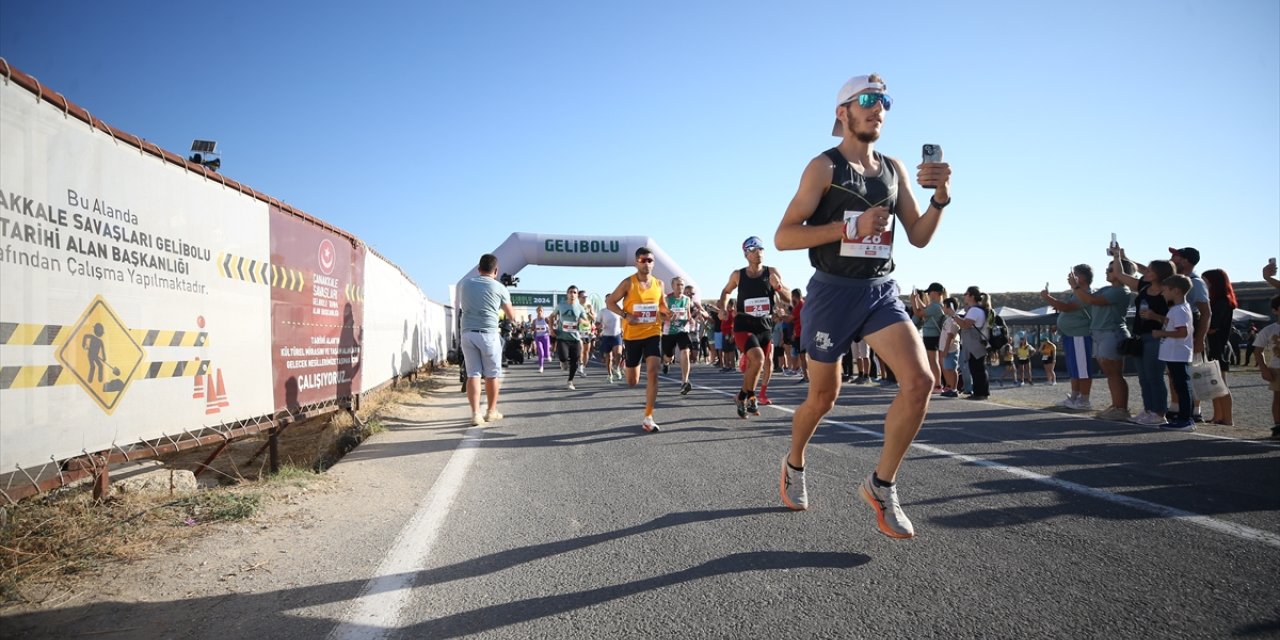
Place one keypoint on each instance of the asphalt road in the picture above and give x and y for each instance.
(572, 522)
(565, 520)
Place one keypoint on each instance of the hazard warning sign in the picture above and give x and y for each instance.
(102, 354)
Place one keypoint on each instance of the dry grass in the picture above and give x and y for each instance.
(45, 542)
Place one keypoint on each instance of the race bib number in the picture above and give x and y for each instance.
(540, 329)
(644, 313)
(879, 246)
(758, 307)
(569, 326)
(679, 315)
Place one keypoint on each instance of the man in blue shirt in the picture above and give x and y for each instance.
(481, 299)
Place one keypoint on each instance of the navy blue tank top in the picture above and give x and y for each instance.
(755, 302)
(851, 191)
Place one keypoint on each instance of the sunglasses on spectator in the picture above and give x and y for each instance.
(868, 100)
(649, 260)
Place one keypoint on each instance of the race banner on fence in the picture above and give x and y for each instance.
(317, 312)
(116, 321)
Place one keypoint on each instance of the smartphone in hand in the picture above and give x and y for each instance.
(931, 153)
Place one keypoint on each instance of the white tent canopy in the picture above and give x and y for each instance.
(1242, 315)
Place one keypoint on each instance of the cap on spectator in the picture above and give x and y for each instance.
(752, 243)
(853, 87)
(1189, 253)
(935, 287)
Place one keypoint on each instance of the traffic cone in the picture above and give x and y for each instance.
(198, 392)
(222, 391)
(211, 405)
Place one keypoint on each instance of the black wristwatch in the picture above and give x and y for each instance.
(939, 205)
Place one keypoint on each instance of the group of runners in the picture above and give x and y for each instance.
(851, 203)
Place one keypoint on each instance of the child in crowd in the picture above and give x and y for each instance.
(1175, 346)
(1049, 358)
(1268, 345)
(1006, 361)
(1022, 359)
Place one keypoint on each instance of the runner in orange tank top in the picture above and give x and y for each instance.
(640, 301)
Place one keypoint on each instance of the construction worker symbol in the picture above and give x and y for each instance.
(102, 355)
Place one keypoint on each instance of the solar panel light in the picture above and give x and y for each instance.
(200, 152)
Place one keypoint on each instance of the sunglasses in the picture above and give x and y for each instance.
(649, 260)
(755, 249)
(868, 100)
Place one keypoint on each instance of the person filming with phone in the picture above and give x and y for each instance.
(847, 212)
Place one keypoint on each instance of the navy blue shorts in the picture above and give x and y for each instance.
(840, 311)
(607, 343)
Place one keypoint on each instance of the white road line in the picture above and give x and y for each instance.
(376, 611)
(1221, 526)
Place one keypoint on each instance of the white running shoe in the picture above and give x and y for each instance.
(650, 425)
(795, 496)
(477, 419)
(571, 387)
(889, 516)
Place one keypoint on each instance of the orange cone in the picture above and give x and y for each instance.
(211, 405)
(222, 391)
(198, 392)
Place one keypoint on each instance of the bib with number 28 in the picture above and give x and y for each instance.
(878, 246)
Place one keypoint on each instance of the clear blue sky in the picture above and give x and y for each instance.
(434, 130)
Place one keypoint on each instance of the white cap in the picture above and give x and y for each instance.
(853, 87)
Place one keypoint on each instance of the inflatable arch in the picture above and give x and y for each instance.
(523, 249)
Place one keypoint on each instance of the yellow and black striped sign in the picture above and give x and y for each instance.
(177, 369)
(160, 338)
(35, 376)
(27, 377)
(27, 335)
(355, 293)
(260, 272)
(12, 333)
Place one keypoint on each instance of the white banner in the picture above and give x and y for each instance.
(394, 322)
(134, 303)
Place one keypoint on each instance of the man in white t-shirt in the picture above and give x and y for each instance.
(611, 343)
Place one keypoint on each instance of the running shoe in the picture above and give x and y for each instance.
(753, 407)
(492, 416)
(950, 393)
(742, 407)
(539, 368)
(649, 425)
(889, 516)
(1113, 413)
(1185, 424)
(685, 389)
(802, 380)
(665, 368)
(571, 387)
(1149, 419)
(1068, 403)
(477, 419)
(582, 371)
(794, 494)
(764, 399)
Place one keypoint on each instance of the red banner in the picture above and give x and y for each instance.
(317, 312)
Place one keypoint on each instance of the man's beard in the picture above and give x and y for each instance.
(867, 137)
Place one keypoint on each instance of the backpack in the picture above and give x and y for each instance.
(997, 333)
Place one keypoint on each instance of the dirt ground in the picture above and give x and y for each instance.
(179, 555)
